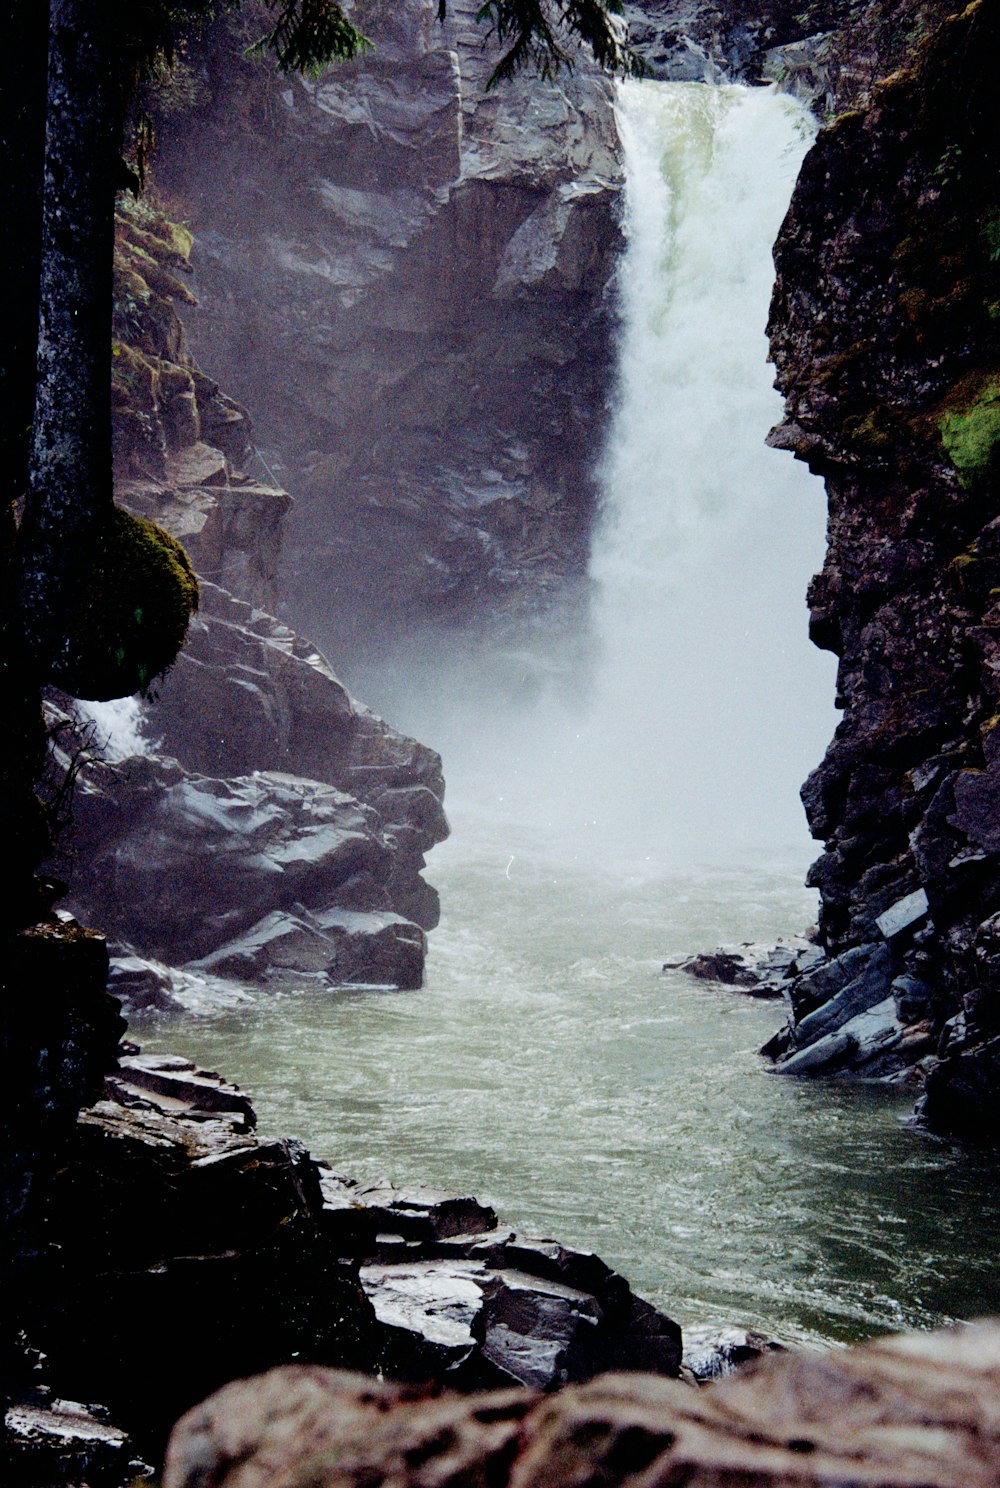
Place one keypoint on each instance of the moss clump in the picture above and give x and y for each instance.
(970, 432)
(870, 432)
(134, 612)
(140, 222)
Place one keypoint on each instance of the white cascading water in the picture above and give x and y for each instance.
(118, 727)
(708, 696)
(707, 706)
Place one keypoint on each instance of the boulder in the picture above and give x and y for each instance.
(712, 1353)
(340, 947)
(288, 876)
(478, 1322)
(918, 1409)
(755, 969)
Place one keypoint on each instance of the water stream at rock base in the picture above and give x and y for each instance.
(550, 1065)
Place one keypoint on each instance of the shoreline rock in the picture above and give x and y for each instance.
(258, 823)
(915, 1409)
(754, 968)
(168, 1211)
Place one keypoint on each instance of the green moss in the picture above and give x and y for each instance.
(134, 613)
(991, 232)
(141, 224)
(136, 375)
(872, 431)
(970, 432)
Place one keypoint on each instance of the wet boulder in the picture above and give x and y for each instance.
(256, 876)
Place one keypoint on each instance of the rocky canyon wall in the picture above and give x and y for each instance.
(265, 825)
(884, 334)
(406, 277)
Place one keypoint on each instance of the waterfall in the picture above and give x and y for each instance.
(706, 706)
(710, 706)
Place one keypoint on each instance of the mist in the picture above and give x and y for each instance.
(679, 718)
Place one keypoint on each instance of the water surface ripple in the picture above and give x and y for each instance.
(550, 1066)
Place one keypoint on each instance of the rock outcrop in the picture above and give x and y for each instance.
(59, 1033)
(918, 1409)
(829, 53)
(273, 827)
(407, 278)
(172, 1226)
(884, 334)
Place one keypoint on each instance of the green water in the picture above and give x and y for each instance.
(551, 1067)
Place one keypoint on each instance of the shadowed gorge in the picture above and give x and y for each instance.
(492, 422)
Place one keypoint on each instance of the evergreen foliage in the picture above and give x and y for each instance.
(535, 34)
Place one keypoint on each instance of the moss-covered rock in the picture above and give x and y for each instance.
(134, 614)
(970, 432)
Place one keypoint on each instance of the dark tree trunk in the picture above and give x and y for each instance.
(22, 153)
(61, 106)
(22, 148)
(70, 474)
(58, 1028)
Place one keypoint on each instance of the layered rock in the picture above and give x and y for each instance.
(175, 1230)
(171, 1225)
(55, 1441)
(406, 276)
(922, 1408)
(59, 1033)
(274, 827)
(884, 333)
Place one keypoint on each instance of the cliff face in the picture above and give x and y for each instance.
(271, 826)
(406, 278)
(884, 331)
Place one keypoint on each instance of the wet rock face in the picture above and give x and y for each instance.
(62, 1441)
(177, 1225)
(59, 1033)
(918, 1409)
(275, 828)
(829, 53)
(461, 1297)
(408, 281)
(886, 347)
(256, 877)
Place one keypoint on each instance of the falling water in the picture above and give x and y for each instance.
(707, 537)
(707, 706)
(549, 1064)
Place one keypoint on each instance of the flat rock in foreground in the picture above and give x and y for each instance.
(920, 1410)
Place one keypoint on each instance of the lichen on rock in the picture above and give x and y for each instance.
(970, 432)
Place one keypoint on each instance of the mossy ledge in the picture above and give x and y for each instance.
(134, 613)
